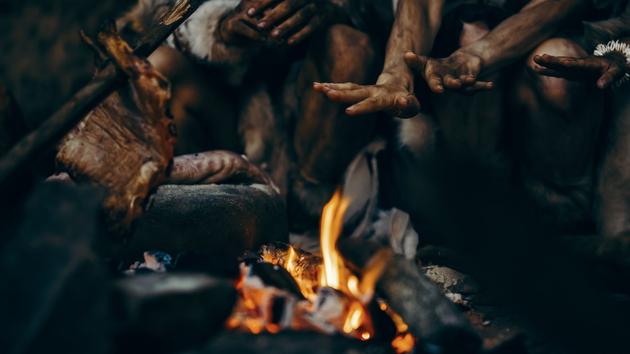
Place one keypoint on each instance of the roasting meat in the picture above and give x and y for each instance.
(126, 143)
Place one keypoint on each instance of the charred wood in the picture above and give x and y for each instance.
(431, 316)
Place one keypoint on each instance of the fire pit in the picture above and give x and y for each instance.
(322, 294)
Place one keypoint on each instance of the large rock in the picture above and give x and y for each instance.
(54, 290)
(216, 221)
(160, 313)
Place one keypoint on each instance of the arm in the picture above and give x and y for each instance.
(521, 33)
(415, 27)
(217, 33)
(509, 41)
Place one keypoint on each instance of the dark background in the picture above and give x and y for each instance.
(42, 59)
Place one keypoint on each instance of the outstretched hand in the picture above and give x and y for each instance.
(393, 99)
(604, 70)
(458, 72)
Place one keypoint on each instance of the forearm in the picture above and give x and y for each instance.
(522, 32)
(415, 28)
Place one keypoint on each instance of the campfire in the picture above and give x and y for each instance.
(329, 296)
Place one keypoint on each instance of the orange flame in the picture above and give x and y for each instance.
(331, 226)
(356, 291)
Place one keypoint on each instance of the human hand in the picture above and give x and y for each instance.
(238, 27)
(390, 97)
(458, 72)
(604, 70)
(291, 21)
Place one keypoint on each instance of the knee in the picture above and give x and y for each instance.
(349, 52)
(559, 93)
(169, 62)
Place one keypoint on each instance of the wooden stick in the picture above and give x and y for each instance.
(431, 316)
(101, 86)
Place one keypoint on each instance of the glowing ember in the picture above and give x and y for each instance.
(335, 298)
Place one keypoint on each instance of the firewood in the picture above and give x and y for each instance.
(100, 87)
(431, 317)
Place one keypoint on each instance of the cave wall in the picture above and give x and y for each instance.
(42, 60)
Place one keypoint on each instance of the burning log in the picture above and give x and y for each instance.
(430, 315)
(216, 222)
(54, 290)
(341, 287)
(163, 313)
(104, 83)
(126, 143)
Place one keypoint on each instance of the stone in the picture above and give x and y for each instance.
(168, 312)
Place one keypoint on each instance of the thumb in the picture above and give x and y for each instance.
(416, 62)
(407, 106)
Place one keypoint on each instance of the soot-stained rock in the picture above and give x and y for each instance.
(54, 289)
(161, 313)
(215, 222)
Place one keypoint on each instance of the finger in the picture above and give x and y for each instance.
(337, 86)
(452, 83)
(479, 86)
(557, 63)
(242, 29)
(435, 83)
(610, 76)
(348, 96)
(367, 106)
(416, 62)
(304, 33)
(294, 23)
(468, 80)
(274, 16)
(408, 106)
(258, 7)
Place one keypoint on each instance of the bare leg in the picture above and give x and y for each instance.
(470, 124)
(326, 140)
(613, 189)
(202, 108)
(554, 131)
